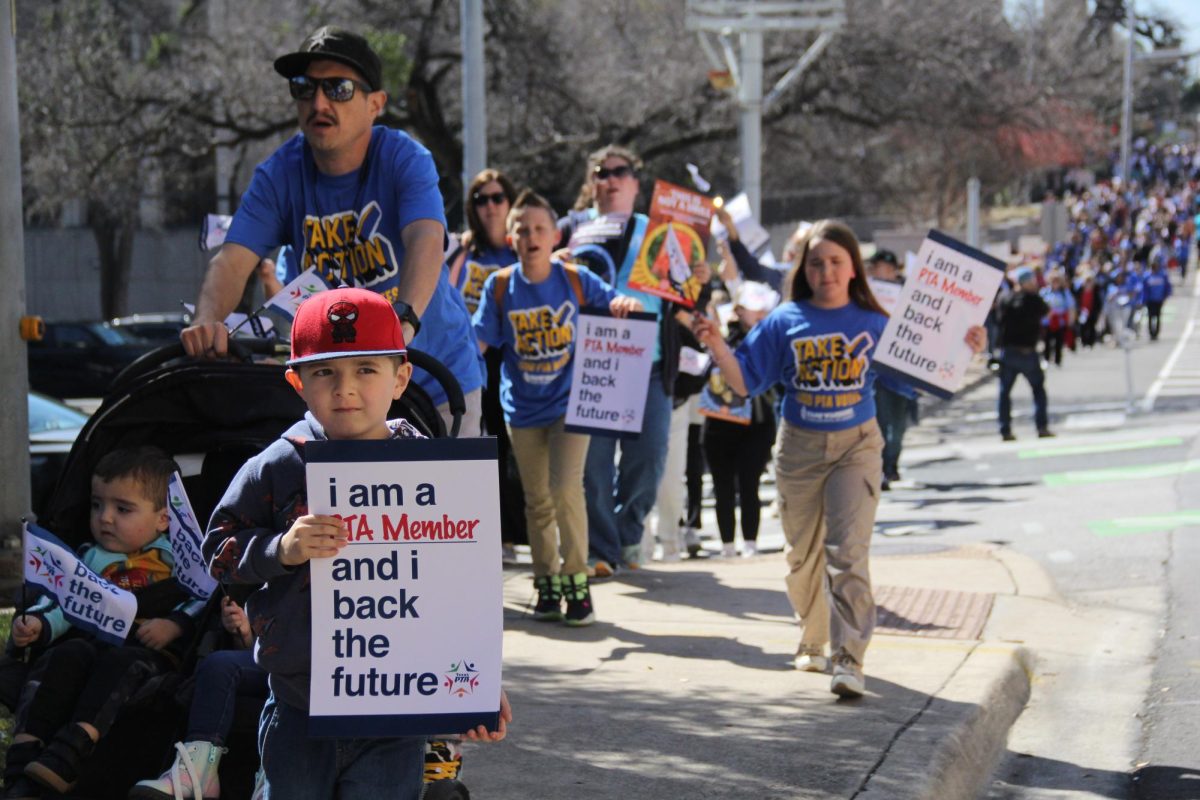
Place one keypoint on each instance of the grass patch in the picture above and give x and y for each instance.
(6, 718)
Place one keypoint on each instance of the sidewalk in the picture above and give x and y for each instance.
(684, 687)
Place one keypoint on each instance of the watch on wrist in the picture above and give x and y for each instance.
(406, 314)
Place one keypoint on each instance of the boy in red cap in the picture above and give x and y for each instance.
(348, 363)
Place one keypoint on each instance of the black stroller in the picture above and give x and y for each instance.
(211, 416)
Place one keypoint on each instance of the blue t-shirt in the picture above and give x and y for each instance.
(822, 357)
(475, 270)
(1156, 287)
(534, 325)
(351, 229)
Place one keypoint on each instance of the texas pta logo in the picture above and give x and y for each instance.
(462, 679)
(46, 566)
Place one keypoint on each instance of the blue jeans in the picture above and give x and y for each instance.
(301, 768)
(221, 678)
(1029, 364)
(620, 495)
(892, 411)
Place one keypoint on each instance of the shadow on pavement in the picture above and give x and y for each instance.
(610, 735)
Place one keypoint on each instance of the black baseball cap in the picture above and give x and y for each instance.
(886, 256)
(334, 44)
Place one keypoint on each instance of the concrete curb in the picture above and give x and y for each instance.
(994, 683)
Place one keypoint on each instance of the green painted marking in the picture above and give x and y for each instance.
(1110, 447)
(1154, 523)
(1086, 476)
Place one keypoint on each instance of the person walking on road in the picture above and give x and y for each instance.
(1156, 288)
(1020, 318)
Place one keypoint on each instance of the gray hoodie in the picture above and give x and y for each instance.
(242, 546)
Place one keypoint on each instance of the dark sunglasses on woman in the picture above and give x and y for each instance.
(496, 198)
(338, 90)
(603, 173)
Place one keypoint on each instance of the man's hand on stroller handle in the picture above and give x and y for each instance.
(205, 340)
(312, 536)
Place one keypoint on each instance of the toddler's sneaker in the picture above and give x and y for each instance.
(579, 600)
(810, 658)
(260, 785)
(16, 785)
(443, 760)
(549, 598)
(59, 765)
(196, 764)
(848, 678)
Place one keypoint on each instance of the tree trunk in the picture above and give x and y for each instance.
(114, 243)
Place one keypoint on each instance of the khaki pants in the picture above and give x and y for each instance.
(550, 462)
(828, 486)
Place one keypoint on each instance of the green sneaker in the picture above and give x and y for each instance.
(549, 599)
(579, 600)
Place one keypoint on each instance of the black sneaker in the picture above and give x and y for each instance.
(59, 765)
(1045, 433)
(16, 785)
(579, 600)
(1008, 436)
(549, 600)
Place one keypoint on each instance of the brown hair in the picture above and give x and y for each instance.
(831, 230)
(595, 159)
(148, 466)
(529, 199)
(479, 236)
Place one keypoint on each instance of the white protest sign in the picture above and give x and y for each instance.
(753, 235)
(186, 535)
(950, 291)
(87, 600)
(610, 373)
(886, 292)
(214, 229)
(408, 618)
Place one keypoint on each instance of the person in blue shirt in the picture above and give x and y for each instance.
(828, 458)
(1156, 288)
(356, 200)
(530, 313)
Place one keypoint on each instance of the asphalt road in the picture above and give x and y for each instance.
(1111, 509)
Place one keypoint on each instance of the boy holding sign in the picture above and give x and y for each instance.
(348, 363)
(87, 677)
(529, 312)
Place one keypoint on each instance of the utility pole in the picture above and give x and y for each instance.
(749, 20)
(14, 374)
(1127, 94)
(473, 96)
(973, 212)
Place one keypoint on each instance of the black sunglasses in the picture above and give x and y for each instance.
(338, 90)
(496, 198)
(603, 173)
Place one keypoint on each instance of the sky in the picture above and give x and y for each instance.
(1188, 14)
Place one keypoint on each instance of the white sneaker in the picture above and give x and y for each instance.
(729, 550)
(811, 659)
(749, 549)
(848, 678)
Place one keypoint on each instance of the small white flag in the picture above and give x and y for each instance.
(213, 230)
(185, 535)
(87, 600)
(697, 178)
(287, 301)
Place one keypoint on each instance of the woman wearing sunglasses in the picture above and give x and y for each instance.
(606, 238)
(484, 250)
(485, 243)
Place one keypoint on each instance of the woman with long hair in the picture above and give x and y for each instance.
(828, 462)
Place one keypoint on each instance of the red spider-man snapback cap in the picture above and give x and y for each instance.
(341, 323)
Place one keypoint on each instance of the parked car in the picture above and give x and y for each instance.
(52, 430)
(160, 328)
(80, 359)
